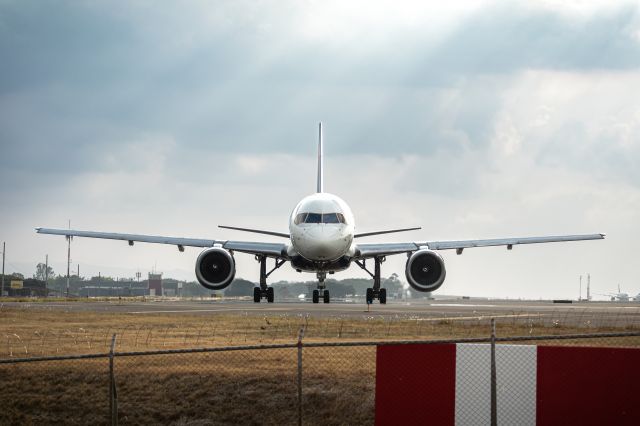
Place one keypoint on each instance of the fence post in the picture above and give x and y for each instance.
(300, 336)
(113, 394)
(494, 395)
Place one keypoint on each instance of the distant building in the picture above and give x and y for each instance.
(155, 284)
(171, 287)
(15, 287)
(120, 288)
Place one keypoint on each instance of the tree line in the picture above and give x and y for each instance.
(239, 287)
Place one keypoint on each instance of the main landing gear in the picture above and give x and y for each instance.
(264, 291)
(376, 292)
(321, 291)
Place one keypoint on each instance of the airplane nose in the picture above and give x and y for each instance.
(324, 250)
(327, 243)
(322, 234)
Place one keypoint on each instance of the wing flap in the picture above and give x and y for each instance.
(387, 249)
(188, 242)
(383, 249)
(266, 249)
(447, 245)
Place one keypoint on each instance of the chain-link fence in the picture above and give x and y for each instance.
(488, 378)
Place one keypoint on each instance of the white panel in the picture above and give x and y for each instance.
(516, 384)
(516, 373)
(473, 391)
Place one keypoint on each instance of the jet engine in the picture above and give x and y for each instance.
(215, 268)
(425, 270)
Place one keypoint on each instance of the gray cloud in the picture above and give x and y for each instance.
(512, 38)
(81, 81)
(87, 74)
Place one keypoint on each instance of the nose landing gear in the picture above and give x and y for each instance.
(321, 289)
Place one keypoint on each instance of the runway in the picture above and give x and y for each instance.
(601, 314)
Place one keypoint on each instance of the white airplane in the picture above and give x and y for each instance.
(321, 240)
(619, 296)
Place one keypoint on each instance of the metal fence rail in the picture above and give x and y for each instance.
(310, 383)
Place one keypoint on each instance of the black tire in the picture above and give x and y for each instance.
(369, 296)
(270, 294)
(316, 296)
(256, 294)
(326, 296)
(383, 296)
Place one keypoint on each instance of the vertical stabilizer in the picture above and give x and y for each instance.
(320, 161)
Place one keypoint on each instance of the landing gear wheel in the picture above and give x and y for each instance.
(369, 296)
(256, 294)
(326, 296)
(316, 296)
(383, 296)
(270, 295)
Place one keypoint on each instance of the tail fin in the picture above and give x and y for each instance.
(320, 161)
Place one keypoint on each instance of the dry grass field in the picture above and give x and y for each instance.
(240, 387)
(232, 387)
(36, 331)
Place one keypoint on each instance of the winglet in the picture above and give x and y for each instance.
(320, 161)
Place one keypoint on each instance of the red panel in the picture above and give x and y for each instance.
(415, 385)
(588, 386)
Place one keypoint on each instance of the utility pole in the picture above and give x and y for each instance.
(588, 287)
(46, 273)
(580, 297)
(3, 251)
(69, 238)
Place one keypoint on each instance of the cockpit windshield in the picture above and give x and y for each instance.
(320, 218)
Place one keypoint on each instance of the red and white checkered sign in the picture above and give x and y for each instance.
(536, 385)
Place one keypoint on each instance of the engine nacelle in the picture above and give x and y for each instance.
(425, 270)
(215, 268)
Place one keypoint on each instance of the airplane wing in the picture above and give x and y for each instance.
(267, 249)
(364, 251)
(387, 249)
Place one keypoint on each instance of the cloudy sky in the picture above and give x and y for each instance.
(472, 119)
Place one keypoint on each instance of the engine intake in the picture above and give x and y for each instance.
(425, 270)
(215, 268)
